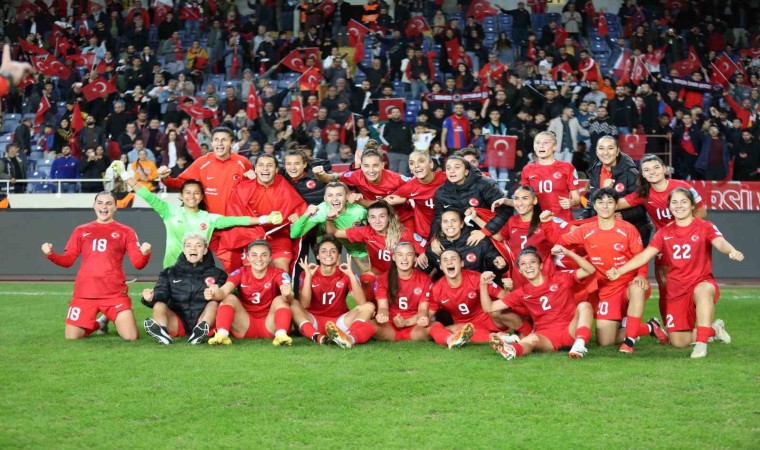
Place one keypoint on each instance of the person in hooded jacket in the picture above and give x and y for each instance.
(181, 298)
(466, 187)
(616, 170)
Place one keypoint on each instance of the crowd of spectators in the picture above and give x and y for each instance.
(174, 72)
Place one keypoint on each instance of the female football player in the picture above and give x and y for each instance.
(692, 291)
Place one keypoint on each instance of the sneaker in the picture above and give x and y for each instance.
(102, 327)
(658, 331)
(282, 339)
(507, 351)
(700, 350)
(578, 350)
(319, 339)
(502, 338)
(219, 339)
(462, 336)
(337, 335)
(199, 334)
(157, 332)
(720, 331)
(625, 348)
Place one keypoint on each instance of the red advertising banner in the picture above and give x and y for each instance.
(729, 195)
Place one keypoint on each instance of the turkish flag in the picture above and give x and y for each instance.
(348, 126)
(686, 67)
(311, 79)
(96, 6)
(501, 151)
(86, 60)
(481, 9)
(654, 57)
(638, 73)
(312, 52)
(559, 37)
(385, 105)
(634, 145)
(99, 88)
(356, 32)
(589, 67)
(310, 112)
(623, 67)
(602, 27)
(296, 113)
(563, 68)
(193, 146)
(532, 53)
(723, 69)
(253, 105)
(294, 61)
(453, 50)
(327, 7)
(197, 112)
(753, 53)
(77, 123)
(50, 66)
(417, 25)
(43, 107)
(31, 48)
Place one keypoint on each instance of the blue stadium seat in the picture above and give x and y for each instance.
(13, 116)
(9, 125)
(598, 46)
(410, 117)
(2, 148)
(42, 188)
(6, 138)
(553, 16)
(414, 103)
(36, 155)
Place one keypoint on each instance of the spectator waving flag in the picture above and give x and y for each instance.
(296, 113)
(356, 34)
(348, 126)
(95, 6)
(561, 71)
(480, 9)
(501, 151)
(77, 123)
(43, 107)
(686, 67)
(160, 9)
(602, 28)
(589, 68)
(639, 72)
(253, 105)
(31, 48)
(193, 146)
(99, 88)
(327, 7)
(294, 61)
(311, 79)
(723, 69)
(623, 66)
(417, 25)
(385, 105)
(49, 65)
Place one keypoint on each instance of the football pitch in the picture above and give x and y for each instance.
(102, 392)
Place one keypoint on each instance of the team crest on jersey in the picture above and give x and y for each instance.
(348, 174)
(204, 227)
(471, 295)
(618, 246)
(694, 238)
(474, 202)
(236, 272)
(267, 285)
(417, 291)
(311, 184)
(209, 281)
(557, 175)
(553, 288)
(114, 235)
(339, 284)
(471, 257)
(619, 187)
(236, 177)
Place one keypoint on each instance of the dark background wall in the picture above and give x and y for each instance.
(22, 232)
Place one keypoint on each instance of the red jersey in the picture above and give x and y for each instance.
(420, 197)
(411, 292)
(657, 203)
(379, 255)
(463, 301)
(551, 182)
(102, 246)
(328, 293)
(551, 304)
(605, 249)
(257, 294)
(689, 253)
(389, 182)
(218, 178)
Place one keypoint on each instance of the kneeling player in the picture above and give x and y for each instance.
(611, 242)
(321, 310)
(181, 297)
(402, 296)
(458, 293)
(100, 284)
(261, 308)
(692, 291)
(557, 321)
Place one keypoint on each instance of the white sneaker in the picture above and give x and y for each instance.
(720, 331)
(102, 327)
(507, 351)
(578, 350)
(504, 338)
(462, 336)
(700, 350)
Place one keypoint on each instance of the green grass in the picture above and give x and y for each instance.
(102, 392)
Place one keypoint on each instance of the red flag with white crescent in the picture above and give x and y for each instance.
(638, 72)
(294, 61)
(49, 65)
(193, 147)
(313, 52)
(97, 89)
(43, 107)
(327, 7)
(197, 112)
(253, 105)
(623, 66)
(602, 28)
(723, 69)
(311, 79)
(385, 105)
(560, 71)
(356, 32)
(296, 113)
(77, 123)
(501, 151)
(634, 145)
(310, 112)
(687, 66)
(417, 25)
(481, 9)
(31, 48)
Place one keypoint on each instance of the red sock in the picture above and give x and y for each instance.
(632, 327)
(525, 329)
(518, 349)
(583, 333)
(644, 329)
(224, 317)
(439, 333)
(481, 335)
(307, 329)
(361, 331)
(704, 333)
(368, 285)
(282, 318)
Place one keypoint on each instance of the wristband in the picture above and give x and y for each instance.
(263, 220)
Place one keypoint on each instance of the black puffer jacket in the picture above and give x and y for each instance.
(625, 175)
(478, 258)
(181, 287)
(311, 189)
(476, 191)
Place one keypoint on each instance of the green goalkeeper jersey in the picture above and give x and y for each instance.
(354, 216)
(179, 221)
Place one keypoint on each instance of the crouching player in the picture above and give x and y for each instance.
(100, 283)
(403, 295)
(181, 297)
(557, 321)
(458, 293)
(692, 291)
(261, 308)
(321, 312)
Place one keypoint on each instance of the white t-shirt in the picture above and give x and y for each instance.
(422, 141)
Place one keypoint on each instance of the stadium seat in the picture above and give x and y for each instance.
(410, 117)
(414, 103)
(12, 116)
(9, 125)
(36, 155)
(2, 148)
(6, 138)
(553, 16)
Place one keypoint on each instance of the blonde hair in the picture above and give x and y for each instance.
(549, 134)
